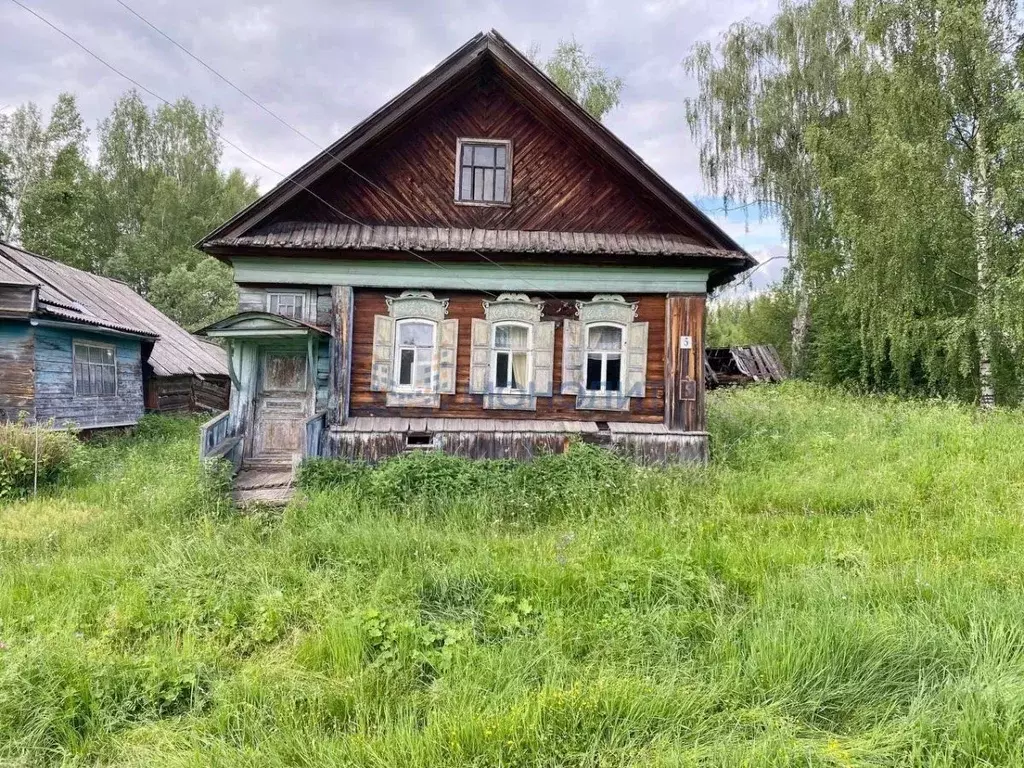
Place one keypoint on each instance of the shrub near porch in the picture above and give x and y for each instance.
(840, 587)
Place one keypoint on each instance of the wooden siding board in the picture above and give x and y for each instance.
(54, 383)
(17, 381)
(555, 181)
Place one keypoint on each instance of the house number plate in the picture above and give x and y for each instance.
(686, 342)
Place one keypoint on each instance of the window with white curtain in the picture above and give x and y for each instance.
(511, 362)
(604, 358)
(414, 352)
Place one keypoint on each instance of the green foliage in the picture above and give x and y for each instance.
(840, 587)
(578, 74)
(581, 480)
(765, 318)
(885, 135)
(133, 214)
(30, 455)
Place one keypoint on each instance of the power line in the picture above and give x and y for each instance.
(298, 132)
(227, 141)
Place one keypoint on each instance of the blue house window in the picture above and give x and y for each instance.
(95, 369)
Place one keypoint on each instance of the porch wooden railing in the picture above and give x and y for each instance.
(314, 428)
(216, 440)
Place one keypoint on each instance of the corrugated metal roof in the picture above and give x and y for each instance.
(79, 296)
(386, 238)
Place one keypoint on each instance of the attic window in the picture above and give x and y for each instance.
(483, 176)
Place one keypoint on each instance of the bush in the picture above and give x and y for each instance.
(584, 477)
(58, 452)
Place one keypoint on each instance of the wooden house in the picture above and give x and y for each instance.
(81, 350)
(479, 267)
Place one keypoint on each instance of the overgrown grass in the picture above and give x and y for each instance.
(842, 587)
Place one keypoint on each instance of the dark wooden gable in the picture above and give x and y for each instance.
(558, 182)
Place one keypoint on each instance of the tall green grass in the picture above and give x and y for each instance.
(842, 587)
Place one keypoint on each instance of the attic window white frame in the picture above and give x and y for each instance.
(506, 201)
(300, 300)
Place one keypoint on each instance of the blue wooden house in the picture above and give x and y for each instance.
(78, 349)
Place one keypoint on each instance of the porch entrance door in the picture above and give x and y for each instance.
(284, 399)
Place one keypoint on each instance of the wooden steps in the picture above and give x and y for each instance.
(265, 483)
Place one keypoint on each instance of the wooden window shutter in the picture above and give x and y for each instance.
(572, 357)
(543, 359)
(480, 357)
(383, 353)
(447, 352)
(636, 352)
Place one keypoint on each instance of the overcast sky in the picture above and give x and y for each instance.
(324, 66)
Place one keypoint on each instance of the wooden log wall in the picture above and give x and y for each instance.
(17, 370)
(54, 382)
(465, 306)
(557, 184)
(684, 368)
(187, 394)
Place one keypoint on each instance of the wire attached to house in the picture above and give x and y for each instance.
(227, 141)
(408, 209)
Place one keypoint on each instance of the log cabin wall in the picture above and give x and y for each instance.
(17, 370)
(465, 306)
(557, 184)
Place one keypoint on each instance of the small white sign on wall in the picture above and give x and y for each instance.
(686, 342)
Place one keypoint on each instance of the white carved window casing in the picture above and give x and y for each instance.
(513, 351)
(604, 354)
(414, 350)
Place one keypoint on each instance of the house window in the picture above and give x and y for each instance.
(511, 364)
(604, 358)
(483, 174)
(291, 305)
(414, 351)
(95, 369)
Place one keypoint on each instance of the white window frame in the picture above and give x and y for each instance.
(528, 384)
(397, 374)
(506, 200)
(75, 344)
(302, 296)
(604, 357)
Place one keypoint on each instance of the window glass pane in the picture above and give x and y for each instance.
(500, 157)
(594, 372)
(511, 337)
(483, 155)
(406, 358)
(109, 384)
(416, 335)
(499, 186)
(108, 356)
(614, 374)
(422, 369)
(467, 154)
(466, 190)
(520, 370)
(478, 184)
(604, 337)
(488, 184)
(501, 370)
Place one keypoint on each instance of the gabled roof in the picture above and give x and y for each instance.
(513, 65)
(266, 323)
(73, 295)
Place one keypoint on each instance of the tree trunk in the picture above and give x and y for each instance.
(984, 308)
(802, 320)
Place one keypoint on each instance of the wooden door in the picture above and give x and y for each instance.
(684, 363)
(284, 400)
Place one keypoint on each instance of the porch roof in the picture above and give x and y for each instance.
(261, 324)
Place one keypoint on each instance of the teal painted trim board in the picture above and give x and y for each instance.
(481, 276)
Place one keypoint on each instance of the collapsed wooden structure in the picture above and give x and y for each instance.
(725, 366)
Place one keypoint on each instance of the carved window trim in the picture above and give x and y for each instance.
(412, 306)
(612, 310)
